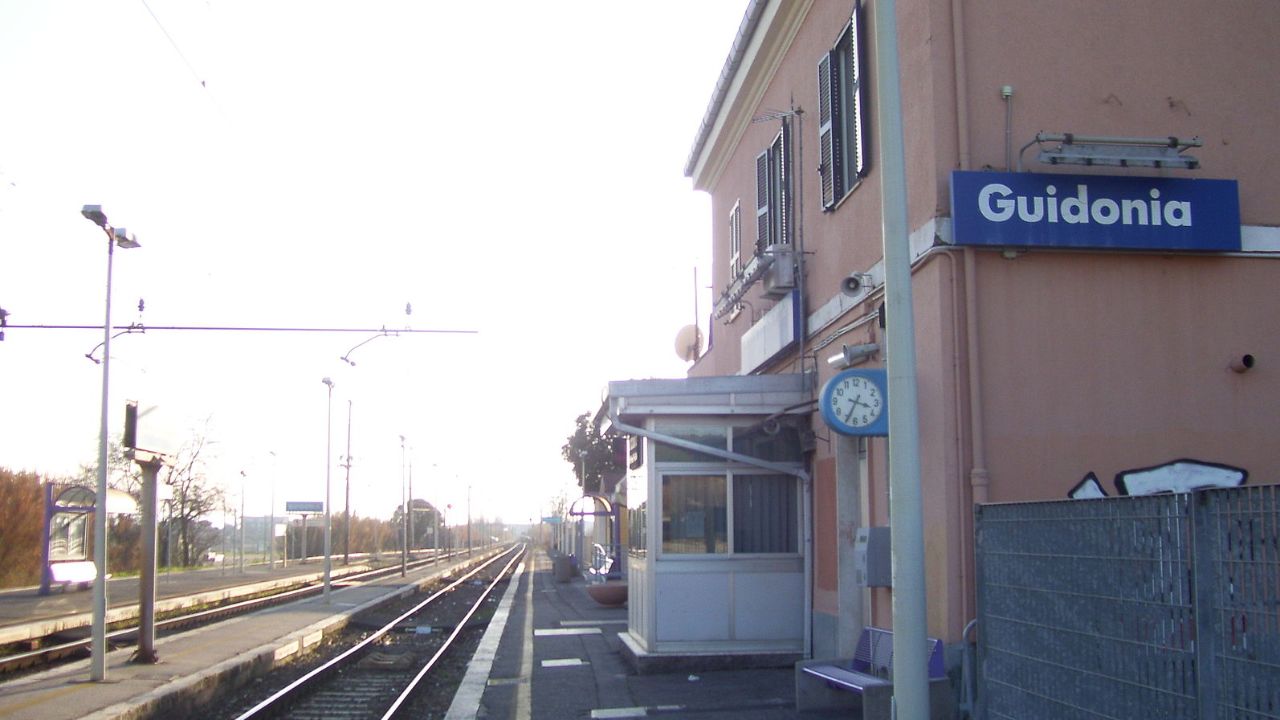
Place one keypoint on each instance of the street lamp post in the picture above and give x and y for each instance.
(98, 641)
(328, 524)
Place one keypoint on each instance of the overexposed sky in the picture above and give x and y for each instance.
(509, 168)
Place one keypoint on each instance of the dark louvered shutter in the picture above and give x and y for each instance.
(735, 242)
(858, 103)
(827, 167)
(782, 194)
(763, 221)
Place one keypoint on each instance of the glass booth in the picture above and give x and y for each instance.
(716, 514)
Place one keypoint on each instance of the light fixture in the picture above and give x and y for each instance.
(1154, 152)
(851, 355)
(126, 239)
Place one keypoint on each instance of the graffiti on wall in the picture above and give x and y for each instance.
(1183, 475)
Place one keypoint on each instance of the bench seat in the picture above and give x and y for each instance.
(846, 678)
(865, 681)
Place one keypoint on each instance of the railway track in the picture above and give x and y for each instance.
(380, 675)
(43, 657)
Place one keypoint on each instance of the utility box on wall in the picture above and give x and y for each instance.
(871, 559)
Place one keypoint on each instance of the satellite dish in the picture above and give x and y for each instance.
(689, 343)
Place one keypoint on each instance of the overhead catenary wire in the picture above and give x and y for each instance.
(174, 43)
(241, 328)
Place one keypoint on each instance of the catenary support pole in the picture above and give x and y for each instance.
(910, 678)
(146, 652)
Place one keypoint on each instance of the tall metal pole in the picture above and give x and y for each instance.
(98, 643)
(346, 507)
(404, 517)
(168, 542)
(328, 516)
(910, 678)
(413, 537)
(240, 564)
(271, 522)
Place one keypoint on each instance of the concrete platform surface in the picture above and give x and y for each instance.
(25, 614)
(193, 665)
(558, 655)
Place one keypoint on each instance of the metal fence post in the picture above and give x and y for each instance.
(1205, 600)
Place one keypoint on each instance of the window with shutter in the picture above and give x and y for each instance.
(827, 122)
(735, 242)
(780, 187)
(773, 193)
(842, 137)
(763, 223)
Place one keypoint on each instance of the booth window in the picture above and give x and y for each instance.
(695, 510)
(694, 514)
(764, 514)
(716, 436)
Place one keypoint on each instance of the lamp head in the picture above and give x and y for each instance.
(126, 239)
(328, 382)
(95, 214)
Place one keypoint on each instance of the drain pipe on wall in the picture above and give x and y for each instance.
(979, 478)
(801, 473)
(806, 523)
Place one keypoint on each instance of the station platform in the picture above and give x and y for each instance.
(26, 615)
(193, 666)
(553, 653)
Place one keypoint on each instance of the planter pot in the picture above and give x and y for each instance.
(609, 594)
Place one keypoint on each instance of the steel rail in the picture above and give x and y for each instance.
(305, 683)
(413, 684)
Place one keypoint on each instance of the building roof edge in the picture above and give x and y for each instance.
(750, 20)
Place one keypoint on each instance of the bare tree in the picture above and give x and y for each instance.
(194, 497)
(122, 473)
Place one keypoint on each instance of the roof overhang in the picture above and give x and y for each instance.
(767, 30)
(744, 395)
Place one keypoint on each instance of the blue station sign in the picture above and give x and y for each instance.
(1095, 212)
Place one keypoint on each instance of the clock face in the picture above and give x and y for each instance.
(856, 401)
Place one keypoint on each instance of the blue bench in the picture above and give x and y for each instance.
(823, 684)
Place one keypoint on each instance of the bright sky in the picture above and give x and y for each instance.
(512, 168)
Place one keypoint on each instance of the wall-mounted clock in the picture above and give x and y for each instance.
(856, 402)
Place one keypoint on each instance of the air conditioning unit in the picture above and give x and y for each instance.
(780, 278)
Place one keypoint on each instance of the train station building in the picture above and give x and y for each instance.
(1093, 212)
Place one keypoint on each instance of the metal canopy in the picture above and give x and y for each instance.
(721, 395)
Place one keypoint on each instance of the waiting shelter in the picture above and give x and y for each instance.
(716, 520)
(65, 551)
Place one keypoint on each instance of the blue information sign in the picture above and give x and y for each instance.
(300, 506)
(1095, 211)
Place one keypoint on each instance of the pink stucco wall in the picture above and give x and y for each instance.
(1086, 361)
